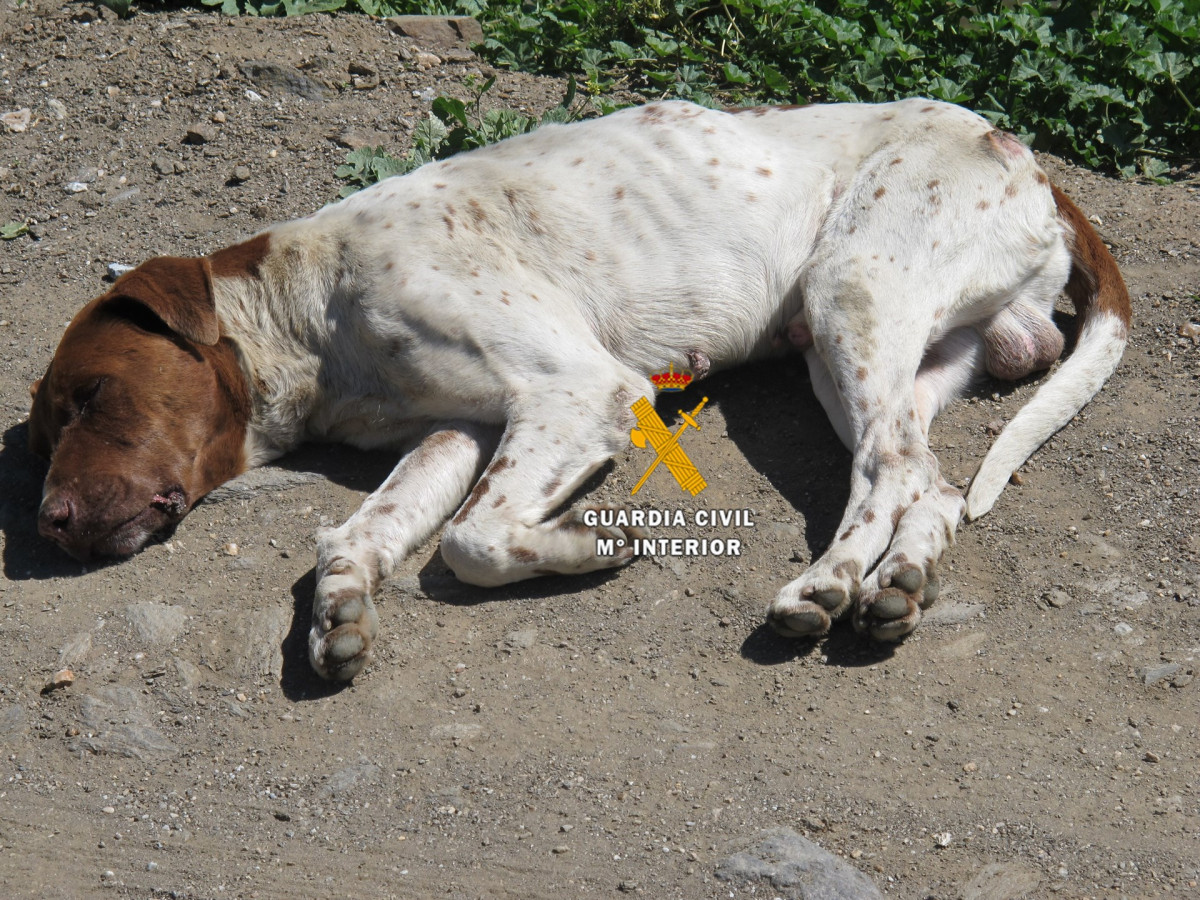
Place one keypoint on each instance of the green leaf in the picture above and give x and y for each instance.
(13, 230)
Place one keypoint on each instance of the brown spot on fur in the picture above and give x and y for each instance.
(1040, 177)
(848, 570)
(897, 515)
(879, 192)
(1010, 189)
(523, 555)
(983, 204)
(476, 211)
(389, 265)
(554, 485)
(577, 161)
(619, 193)
(764, 171)
(896, 161)
(481, 488)
(861, 374)
(714, 162)
(449, 224)
(414, 204)
(845, 535)
(934, 183)
(500, 501)
(869, 516)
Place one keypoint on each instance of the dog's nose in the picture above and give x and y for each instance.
(56, 517)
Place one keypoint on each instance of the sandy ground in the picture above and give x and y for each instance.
(592, 736)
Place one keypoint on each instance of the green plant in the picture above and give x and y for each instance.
(452, 126)
(13, 230)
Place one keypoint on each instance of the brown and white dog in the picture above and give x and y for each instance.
(499, 312)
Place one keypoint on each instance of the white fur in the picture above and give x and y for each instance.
(531, 287)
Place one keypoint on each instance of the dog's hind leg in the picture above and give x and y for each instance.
(353, 559)
(873, 352)
(552, 444)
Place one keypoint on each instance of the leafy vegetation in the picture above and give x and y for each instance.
(12, 230)
(1109, 82)
(452, 126)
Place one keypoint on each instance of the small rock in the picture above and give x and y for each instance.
(560, 849)
(1150, 756)
(218, 117)
(279, 78)
(16, 121)
(63, 678)
(151, 866)
(426, 60)
(163, 166)
(1058, 599)
(627, 887)
(200, 134)
(457, 731)
(1183, 679)
(240, 174)
(520, 640)
(116, 270)
(1122, 629)
(75, 187)
(1153, 674)
(156, 623)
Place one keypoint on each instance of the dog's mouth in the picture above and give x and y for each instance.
(88, 542)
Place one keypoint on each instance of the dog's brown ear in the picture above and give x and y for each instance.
(179, 291)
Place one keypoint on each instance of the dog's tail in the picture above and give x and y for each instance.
(1103, 309)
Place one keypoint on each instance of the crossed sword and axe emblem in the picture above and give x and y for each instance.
(651, 430)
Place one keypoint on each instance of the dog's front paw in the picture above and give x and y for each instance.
(808, 606)
(890, 605)
(344, 623)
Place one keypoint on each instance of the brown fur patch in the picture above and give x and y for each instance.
(523, 555)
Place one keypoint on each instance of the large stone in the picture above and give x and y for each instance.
(797, 869)
(440, 31)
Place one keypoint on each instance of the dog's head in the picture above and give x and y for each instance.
(142, 411)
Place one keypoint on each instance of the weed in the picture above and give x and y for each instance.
(451, 127)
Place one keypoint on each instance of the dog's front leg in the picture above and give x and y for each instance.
(425, 487)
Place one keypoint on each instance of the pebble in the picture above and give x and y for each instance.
(200, 134)
(16, 121)
(1123, 628)
(75, 187)
(63, 678)
(560, 849)
(57, 107)
(240, 174)
(219, 117)
(116, 270)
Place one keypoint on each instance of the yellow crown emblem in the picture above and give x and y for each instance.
(671, 380)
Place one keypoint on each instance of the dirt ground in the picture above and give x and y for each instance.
(601, 736)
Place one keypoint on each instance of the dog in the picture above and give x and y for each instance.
(498, 312)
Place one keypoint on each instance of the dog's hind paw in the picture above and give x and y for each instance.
(344, 623)
(890, 605)
(807, 610)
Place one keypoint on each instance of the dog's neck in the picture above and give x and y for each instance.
(273, 296)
